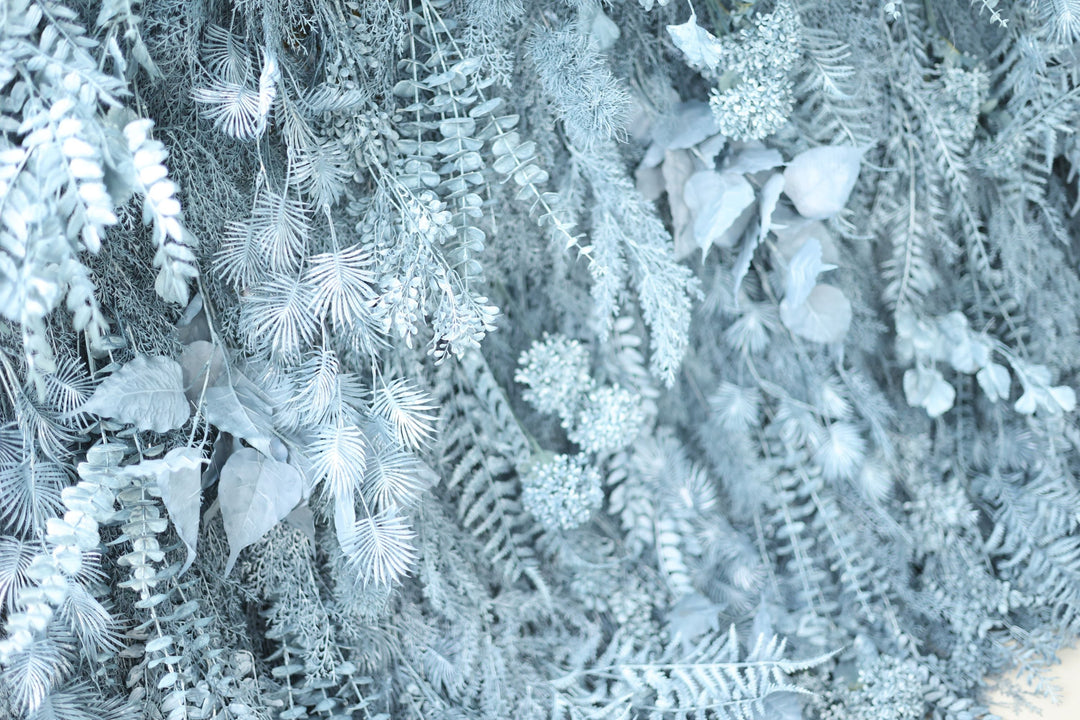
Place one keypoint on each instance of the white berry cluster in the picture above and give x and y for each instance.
(609, 421)
(562, 492)
(762, 55)
(556, 371)
(599, 418)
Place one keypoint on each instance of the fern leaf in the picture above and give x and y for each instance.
(392, 477)
(232, 107)
(380, 547)
(407, 410)
(338, 459)
(30, 495)
(342, 284)
(277, 318)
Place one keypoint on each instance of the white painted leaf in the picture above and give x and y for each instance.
(147, 392)
(303, 519)
(233, 405)
(1027, 403)
(202, 362)
(803, 270)
(926, 388)
(692, 122)
(754, 159)
(179, 478)
(717, 202)
(677, 168)
(770, 193)
(824, 317)
(819, 181)
(603, 29)
(256, 492)
(701, 48)
(1064, 396)
(994, 381)
(792, 231)
(268, 79)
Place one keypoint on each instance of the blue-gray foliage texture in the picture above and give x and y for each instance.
(567, 359)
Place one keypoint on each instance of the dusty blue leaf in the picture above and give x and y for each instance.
(256, 493)
(819, 181)
(824, 316)
(178, 477)
(147, 392)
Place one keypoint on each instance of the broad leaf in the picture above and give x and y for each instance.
(256, 493)
(701, 48)
(233, 405)
(770, 193)
(803, 270)
(717, 202)
(178, 477)
(819, 181)
(147, 392)
(202, 363)
(825, 316)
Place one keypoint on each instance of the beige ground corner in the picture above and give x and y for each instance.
(1067, 677)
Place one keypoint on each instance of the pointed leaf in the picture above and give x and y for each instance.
(803, 270)
(233, 405)
(256, 493)
(819, 181)
(1064, 396)
(178, 477)
(202, 363)
(770, 193)
(825, 316)
(147, 392)
(717, 201)
(994, 380)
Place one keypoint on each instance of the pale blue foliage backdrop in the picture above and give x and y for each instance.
(536, 358)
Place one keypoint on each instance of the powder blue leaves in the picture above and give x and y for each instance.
(819, 181)
(147, 392)
(256, 493)
(817, 312)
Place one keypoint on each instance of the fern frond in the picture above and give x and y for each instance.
(342, 286)
(277, 317)
(279, 224)
(407, 411)
(380, 547)
(226, 56)
(240, 260)
(319, 171)
(393, 477)
(711, 682)
(1060, 18)
(233, 108)
(30, 495)
(338, 456)
(15, 558)
(69, 387)
(33, 673)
